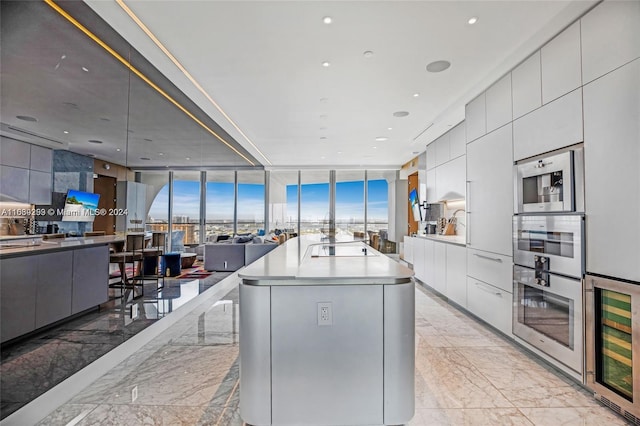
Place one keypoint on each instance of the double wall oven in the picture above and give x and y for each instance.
(548, 256)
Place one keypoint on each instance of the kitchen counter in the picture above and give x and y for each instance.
(327, 336)
(36, 245)
(451, 239)
(308, 257)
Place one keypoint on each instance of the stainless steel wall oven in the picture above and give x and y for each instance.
(547, 285)
(613, 343)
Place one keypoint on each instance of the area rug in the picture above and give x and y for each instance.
(197, 273)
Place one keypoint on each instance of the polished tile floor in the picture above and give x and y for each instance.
(465, 375)
(32, 366)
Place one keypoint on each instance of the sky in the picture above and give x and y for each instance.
(315, 201)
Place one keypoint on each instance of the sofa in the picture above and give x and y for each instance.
(232, 255)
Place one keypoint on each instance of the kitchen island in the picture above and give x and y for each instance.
(326, 336)
(45, 281)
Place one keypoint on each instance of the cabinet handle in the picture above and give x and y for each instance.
(468, 205)
(488, 290)
(495, 259)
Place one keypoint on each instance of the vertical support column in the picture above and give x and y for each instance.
(332, 203)
(366, 202)
(267, 218)
(235, 202)
(203, 207)
(299, 200)
(170, 212)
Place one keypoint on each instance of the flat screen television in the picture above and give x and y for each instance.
(415, 205)
(80, 206)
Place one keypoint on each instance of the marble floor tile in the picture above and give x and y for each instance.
(156, 415)
(470, 417)
(573, 416)
(446, 379)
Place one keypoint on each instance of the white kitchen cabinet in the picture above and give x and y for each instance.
(14, 153)
(432, 196)
(555, 125)
(408, 249)
(612, 175)
(491, 304)
(457, 141)
(41, 159)
(526, 83)
(475, 118)
(431, 155)
(610, 37)
(490, 192)
(429, 263)
(418, 259)
(14, 184)
(439, 282)
(456, 274)
(451, 180)
(498, 103)
(442, 149)
(491, 268)
(561, 64)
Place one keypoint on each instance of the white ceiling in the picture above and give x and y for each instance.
(261, 62)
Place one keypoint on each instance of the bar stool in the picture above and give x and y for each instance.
(130, 256)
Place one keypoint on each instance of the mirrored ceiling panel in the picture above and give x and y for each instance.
(69, 81)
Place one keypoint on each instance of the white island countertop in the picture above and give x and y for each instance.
(311, 258)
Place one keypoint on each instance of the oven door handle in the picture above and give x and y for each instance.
(495, 259)
(484, 288)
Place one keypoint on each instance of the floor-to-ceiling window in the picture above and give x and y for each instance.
(314, 201)
(157, 200)
(283, 200)
(251, 198)
(378, 199)
(349, 201)
(186, 208)
(220, 203)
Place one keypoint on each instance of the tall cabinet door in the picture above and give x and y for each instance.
(612, 176)
(490, 192)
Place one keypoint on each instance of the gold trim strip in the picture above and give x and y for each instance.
(141, 75)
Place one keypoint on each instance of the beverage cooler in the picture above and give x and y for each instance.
(613, 342)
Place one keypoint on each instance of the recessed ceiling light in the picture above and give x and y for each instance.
(323, 157)
(415, 95)
(118, 149)
(66, 132)
(327, 20)
(389, 128)
(367, 53)
(374, 147)
(26, 118)
(85, 69)
(96, 141)
(400, 114)
(326, 64)
(161, 153)
(145, 158)
(339, 152)
(472, 20)
(438, 66)
(187, 158)
(381, 139)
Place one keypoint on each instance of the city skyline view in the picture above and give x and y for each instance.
(314, 199)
